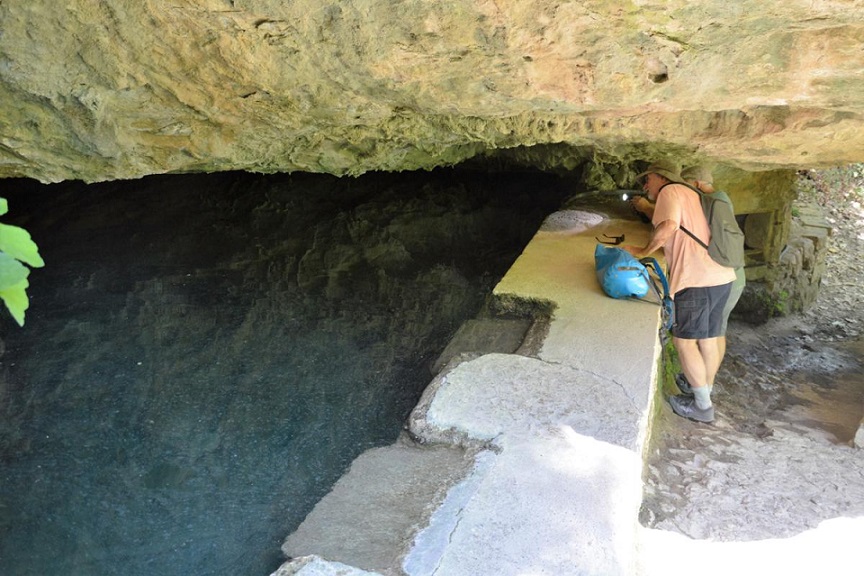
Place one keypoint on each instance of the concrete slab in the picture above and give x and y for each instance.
(550, 503)
(555, 486)
(499, 395)
(482, 336)
(316, 566)
(371, 516)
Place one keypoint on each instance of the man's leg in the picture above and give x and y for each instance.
(708, 352)
(711, 359)
(735, 292)
(698, 406)
(692, 362)
(712, 356)
(696, 339)
(712, 365)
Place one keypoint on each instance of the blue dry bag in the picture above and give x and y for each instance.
(623, 276)
(620, 274)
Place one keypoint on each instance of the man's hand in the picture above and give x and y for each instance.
(635, 251)
(643, 205)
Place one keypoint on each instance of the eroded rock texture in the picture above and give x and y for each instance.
(108, 89)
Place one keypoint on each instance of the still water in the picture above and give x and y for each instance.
(205, 355)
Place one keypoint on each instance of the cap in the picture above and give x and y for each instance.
(666, 168)
(700, 172)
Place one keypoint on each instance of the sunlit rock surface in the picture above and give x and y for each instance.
(99, 90)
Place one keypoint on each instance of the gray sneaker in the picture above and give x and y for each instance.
(683, 384)
(687, 408)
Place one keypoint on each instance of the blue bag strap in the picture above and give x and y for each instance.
(668, 312)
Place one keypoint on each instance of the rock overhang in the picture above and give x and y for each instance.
(111, 90)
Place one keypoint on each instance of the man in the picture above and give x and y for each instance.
(700, 177)
(699, 286)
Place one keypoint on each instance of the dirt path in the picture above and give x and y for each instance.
(789, 398)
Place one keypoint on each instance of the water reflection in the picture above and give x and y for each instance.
(205, 355)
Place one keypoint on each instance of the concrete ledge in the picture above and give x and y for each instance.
(499, 395)
(317, 566)
(554, 441)
(372, 514)
(546, 503)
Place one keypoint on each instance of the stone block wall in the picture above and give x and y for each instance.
(803, 262)
(790, 283)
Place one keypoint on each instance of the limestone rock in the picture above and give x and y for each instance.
(109, 89)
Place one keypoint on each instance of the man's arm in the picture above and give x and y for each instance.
(661, 234)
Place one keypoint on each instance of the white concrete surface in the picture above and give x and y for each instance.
(556, 484)
(501, 395)
(834, 547)
(370, 517)
(550, 503)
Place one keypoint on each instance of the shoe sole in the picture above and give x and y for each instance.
(694, 419)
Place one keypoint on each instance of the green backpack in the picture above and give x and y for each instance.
(726, 246)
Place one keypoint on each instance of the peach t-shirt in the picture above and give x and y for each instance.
(690, 266)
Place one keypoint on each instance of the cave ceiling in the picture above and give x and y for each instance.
(98, 90)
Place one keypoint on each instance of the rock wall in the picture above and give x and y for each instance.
(109, 89)
(791, 281)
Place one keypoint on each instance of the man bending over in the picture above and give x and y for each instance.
(699, 286)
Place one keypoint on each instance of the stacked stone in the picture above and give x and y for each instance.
(802, 263)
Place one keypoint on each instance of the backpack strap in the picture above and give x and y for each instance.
(693, 236)
(681, 227)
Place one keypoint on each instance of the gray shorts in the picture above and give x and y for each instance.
(734, 296)
(699, 312)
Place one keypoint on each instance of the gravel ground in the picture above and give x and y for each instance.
(780, 458)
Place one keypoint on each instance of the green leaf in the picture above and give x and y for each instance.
(16, 300)
(12, 272)
(16, 246)
(17, 243)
